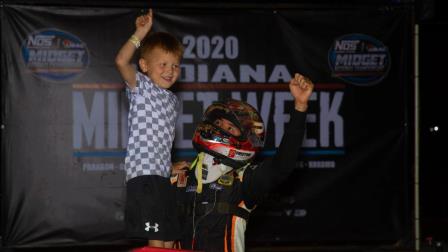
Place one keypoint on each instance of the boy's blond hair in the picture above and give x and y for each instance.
(163, 40)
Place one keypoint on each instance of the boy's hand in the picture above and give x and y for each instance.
(179, 167)
(143, 24)
(301, 88)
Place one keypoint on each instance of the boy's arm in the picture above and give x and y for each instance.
(275, 170)
(123, 59)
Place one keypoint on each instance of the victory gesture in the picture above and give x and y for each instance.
(143, 24)
(301, 88)
(148, 176)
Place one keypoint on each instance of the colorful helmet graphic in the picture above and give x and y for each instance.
(234, 151)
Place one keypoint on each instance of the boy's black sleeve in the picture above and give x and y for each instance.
(274, 170)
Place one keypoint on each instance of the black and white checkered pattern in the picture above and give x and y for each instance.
(152, 117)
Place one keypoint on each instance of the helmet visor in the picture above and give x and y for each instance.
(241, 115)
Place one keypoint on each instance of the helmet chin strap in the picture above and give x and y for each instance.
(199, 171)
(207, 170)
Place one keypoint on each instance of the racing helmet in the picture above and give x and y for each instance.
(234, 151)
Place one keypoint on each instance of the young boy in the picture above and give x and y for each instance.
(150, 210)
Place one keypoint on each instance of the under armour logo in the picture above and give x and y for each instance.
(155, 227)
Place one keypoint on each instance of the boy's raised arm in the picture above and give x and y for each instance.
(123, 59)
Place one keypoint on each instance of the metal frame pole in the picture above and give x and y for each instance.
(417, 140)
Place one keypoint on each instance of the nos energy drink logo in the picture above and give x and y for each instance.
(359, 59)
(55, 55)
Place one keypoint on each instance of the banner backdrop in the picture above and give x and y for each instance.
(65, 116)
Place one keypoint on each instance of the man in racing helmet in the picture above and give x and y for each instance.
(222, 185)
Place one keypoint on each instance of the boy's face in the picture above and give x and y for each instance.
(161, 67)
(228, 126)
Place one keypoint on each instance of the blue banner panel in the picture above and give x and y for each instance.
(65, 116)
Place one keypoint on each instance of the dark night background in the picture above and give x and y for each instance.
(433, 159)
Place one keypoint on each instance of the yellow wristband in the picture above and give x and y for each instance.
(135, 40)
